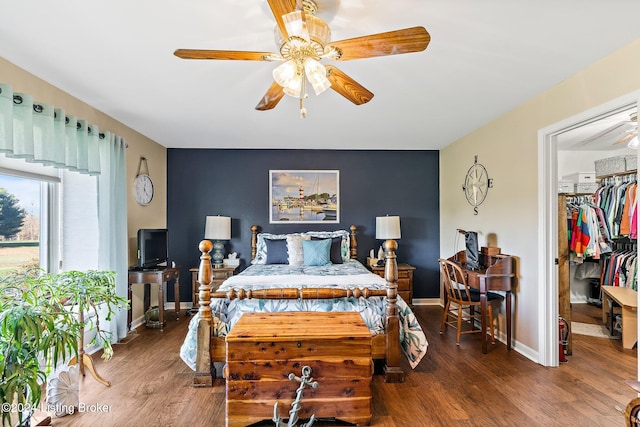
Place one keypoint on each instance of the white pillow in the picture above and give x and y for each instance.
(294, 248)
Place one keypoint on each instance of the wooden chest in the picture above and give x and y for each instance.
(264, 348)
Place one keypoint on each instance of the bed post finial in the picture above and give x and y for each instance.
(254, 241)
(204, 279)
(392, 371)
(353, 244)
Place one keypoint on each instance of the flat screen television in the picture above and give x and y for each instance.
(153, 247)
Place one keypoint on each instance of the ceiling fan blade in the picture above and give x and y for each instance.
(611, 131)
(279, 8)
(271, 98)
(347, 87)
(222, 54)
(414, 39)
(626, 138)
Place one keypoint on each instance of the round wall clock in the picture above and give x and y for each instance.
(142, 185)
(143, 189)
(476, 185)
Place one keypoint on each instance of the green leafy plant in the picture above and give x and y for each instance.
(40, 326)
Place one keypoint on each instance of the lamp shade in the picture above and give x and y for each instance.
(387, 227)
(217, 228)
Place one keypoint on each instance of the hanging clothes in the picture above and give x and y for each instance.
(600, 228)
(618, 201)
(588, 232)
(620, 269)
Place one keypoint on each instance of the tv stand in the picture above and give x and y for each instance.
(159, 276)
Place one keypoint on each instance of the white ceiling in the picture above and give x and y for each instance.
(485, 58)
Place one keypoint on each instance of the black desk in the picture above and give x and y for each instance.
(161, 277)
(495, 274)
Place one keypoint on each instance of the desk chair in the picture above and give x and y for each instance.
(458, 292)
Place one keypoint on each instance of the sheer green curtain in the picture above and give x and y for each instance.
(43, 133)
(112, 221)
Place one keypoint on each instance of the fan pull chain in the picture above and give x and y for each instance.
(303, 95)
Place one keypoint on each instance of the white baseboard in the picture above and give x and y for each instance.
(137, 322)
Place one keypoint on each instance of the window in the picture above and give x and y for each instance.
(28, 226)
(67, 218)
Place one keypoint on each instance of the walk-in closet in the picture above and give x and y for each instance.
(597, 231)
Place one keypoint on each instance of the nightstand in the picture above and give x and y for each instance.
(220, 274)
(405, 280)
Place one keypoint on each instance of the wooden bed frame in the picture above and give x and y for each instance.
(213, 349)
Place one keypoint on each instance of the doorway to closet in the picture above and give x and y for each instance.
(553, 142)
(597, 249)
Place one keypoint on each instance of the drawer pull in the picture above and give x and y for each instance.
(299, 344)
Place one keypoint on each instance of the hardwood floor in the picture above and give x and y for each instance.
(453, 385)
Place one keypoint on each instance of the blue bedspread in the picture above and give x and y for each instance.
(351, 274)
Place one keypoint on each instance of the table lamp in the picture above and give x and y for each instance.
(387, 228)
(217, 228)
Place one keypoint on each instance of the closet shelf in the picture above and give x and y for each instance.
(612, 175)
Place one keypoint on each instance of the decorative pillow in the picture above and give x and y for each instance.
(316, 252)
(277, 251)
(335, 252)
(344, 234)
(261, 246)
(294, 248)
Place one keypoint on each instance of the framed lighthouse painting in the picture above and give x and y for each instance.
(304, 196)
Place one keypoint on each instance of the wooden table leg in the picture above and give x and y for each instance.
(483, 313)
(629, 327)
(161, 286)
(509, 296)
(129, 315)
(605, 302)
(176, 296)
(147, 297)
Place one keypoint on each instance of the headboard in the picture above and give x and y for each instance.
(353, 243)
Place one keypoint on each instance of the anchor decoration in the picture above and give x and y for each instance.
(304, 381)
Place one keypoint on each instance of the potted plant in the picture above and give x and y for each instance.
(40, 319)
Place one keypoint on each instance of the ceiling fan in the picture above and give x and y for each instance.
(303, 41)
(631, 132)
(621, 131)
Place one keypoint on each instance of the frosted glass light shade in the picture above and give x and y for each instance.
(387, 227)
(317, 75)
(284, 73)
(295, 25)
(315, 29)
(217, 228)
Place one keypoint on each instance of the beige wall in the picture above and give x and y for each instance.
(151, 216)
(508, 147)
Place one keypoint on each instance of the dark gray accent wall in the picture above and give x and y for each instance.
(235, 183)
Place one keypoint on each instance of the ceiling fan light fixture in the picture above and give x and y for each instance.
(633, 142)
(295, 25)
(317, 75)
(311, 29)
(293, 87)
(285, 72)
(319, 30)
